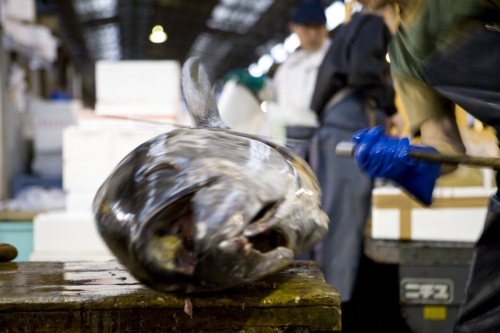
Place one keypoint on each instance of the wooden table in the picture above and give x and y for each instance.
(13, 216)
(103, 297)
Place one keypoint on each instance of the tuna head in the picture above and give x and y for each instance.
(205, 209)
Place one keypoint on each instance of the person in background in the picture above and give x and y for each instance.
(445, 54)
(352, 91)
(294, 79)
(240, 104)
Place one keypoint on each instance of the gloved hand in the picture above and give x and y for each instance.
(381, 156)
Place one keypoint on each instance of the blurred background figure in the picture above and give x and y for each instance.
(294, 79)
(239, 103)
(352, 92)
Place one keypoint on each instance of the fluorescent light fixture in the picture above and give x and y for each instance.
(237, 15)
(291, 43)
(335, 15)
(255, 70)
(265, 62)
(279, 53)
(387, 58)
(158, 35)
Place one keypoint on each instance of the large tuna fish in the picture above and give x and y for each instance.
(204, 208)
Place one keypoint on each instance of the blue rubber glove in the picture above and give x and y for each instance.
(381, 156)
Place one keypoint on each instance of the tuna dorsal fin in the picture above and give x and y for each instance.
(199, 96)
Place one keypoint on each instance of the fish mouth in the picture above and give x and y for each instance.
(166, 242)
(166, 246)
(260, 249)
(260, 234)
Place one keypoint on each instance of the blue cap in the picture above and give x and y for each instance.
(310, 12)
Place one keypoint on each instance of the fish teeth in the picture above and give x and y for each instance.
(247, 249)
(242, 241)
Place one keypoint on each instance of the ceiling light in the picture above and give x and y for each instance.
(279, 53)
(255, 70)
(158, 35)
(265, 62)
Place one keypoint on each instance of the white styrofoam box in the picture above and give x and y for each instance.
(124, 142)
(67, 236)
(457, 214)
(86, 145)
(79, 201)
(85, 176)
(97, 145)
(448, 224)
(169, 108)
(49, 119)
(138, 81)
(385, 223)
(91, 155)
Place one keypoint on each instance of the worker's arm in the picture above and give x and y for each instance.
(432, 116)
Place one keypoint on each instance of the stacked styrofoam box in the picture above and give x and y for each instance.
(89, 157)
(138, 88)
(49, 118)
(91, 150)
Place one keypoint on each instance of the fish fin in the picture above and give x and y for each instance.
(199, 95)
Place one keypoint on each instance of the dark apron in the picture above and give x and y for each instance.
(346, 195)
(480, 310)
(299, 139)
(469, 75)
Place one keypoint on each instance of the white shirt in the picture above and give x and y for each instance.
(294, 83)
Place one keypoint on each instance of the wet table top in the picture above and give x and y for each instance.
(103, 297)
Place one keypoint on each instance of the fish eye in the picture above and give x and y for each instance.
(169, 166)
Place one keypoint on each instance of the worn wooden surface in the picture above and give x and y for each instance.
(103, 297)
(13, 216)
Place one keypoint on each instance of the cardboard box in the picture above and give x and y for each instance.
(457, 214)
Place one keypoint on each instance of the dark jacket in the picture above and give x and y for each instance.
(357, 59)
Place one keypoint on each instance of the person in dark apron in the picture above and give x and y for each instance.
(352, 92)
(294, 79)
(442, 55)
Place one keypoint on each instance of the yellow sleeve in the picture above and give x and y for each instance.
(431, 115)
